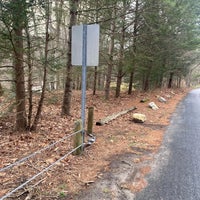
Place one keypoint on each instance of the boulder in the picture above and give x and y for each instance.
(153, 106)
(162, 99)
(139, 118)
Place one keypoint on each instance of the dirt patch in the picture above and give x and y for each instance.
(115, 165)
(124, 177)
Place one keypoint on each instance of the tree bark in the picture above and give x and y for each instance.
(120, 73)
(66, 105)
(119, 80)
(130, 87)
(95, 69)
(59, 45)
(135, 31)
(1, 90)
(146, 82)
(171, 75)
(46, 50)
(30, 84)
(110, 54)
(18, 20)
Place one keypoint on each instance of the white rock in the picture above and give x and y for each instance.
(162, 99)
(153, 106)
(168, 96)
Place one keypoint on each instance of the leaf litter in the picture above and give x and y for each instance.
(76, 174)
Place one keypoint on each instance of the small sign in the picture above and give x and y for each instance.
(92, 45)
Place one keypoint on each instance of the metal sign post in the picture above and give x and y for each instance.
(85, 52)
(84, 73)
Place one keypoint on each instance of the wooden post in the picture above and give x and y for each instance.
(90, 120)
(1, 90)
(78, 139)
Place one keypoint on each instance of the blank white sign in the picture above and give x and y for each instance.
(92, 45)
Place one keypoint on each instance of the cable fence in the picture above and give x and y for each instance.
(37, 152)
(31, 168)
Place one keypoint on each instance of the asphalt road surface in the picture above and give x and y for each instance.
(176, 172)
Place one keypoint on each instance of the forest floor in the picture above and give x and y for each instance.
(75, 174)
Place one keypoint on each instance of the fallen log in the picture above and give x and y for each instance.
(114, 116)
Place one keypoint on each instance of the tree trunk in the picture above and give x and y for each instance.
(99, 80)
(179, 82)
(171, 75)
(30, 94)
(119, 80)
(130, 87)
(110, 53)
(46, 50)
(95, 69)
(121, 53)
(58, 14)
(146, 83)
(18, 20)
(66, 105)
(59, 45)
(160, 81)
(135, 31)
(1, 90)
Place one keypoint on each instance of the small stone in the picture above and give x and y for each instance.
(162, 99)
(136, 160)
(153, 106)
(168, 96)
(144, 100)
(139, 118)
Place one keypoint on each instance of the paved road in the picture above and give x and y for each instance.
(176, 173)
